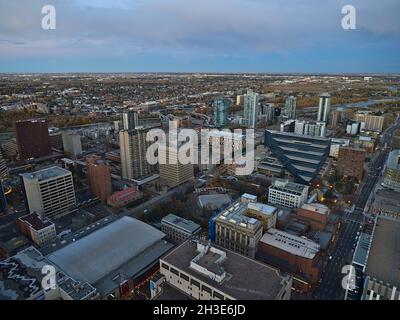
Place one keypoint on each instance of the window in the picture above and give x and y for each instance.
(206, 289)
(174, 271)
(195, 283)
(164, 266)
(218, 296)
(184, 277)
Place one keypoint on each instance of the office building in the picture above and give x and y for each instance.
(335, 118)
(173, 173)
(370, 122)
(206, 272)
(324, 107)
(130, 120)
(72, 144)
(49, 192)
(289, 111)
(386, 203)
(32, 138)
(251, 108)
(296, 255)
(316, 214)
(40, 231)
(134, 146)
(350, 162)
(236, 231)
(99, 176)
(265, 213)
(391, 175)
(303, 156)
(287, 194)
(382, 271)
(220, 108)
(178, 229)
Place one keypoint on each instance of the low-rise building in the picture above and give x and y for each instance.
(287, 194)
(386, 203)
(124, 197)
(38, 230)
(205, 272)
(293, 254)
(316, 214)
(178, 229)
(391, 176)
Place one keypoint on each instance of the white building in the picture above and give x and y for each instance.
(40, 231)
(49, 192)
(287, 194)
(324, 107)
(72, 144)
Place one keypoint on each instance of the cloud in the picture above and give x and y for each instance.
(209, 27)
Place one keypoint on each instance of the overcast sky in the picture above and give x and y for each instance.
(200, 36)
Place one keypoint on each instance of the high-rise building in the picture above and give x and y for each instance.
(391, 177)
(290, 108)
(370, 122)
(72, 144)
(287, 194)
(130, 120)
(99, 177)
(251, 108)
(49, 192)
(32, 138)
(302, 156)
(173, 172)
(324, 107)
(221, 107)
(314, 129)
(351, 162)
(335, 118)
(134, 146)
(239, 100)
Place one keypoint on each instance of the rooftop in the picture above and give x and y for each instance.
(214, 201)
(180, 223)
(35, 221)
(383, 261)
(262, 208)
(316, 207)
(236, 215)
(45, 174)
(288, 186)
(290, 243)
(97, 257)
(246, 278)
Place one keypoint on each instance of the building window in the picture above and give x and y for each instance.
(195, 283)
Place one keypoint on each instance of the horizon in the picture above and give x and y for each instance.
(230, 36)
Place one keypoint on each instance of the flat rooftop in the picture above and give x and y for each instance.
(214, 201)
(288, 186)
(316, 207)
(387, 199)
(246, 279)
(35, 221)
(383, 261)
(262, 208)
(126, 244)
(236, 215)
(290, 243)
(45, 174)
(393, 161)
(181, 223)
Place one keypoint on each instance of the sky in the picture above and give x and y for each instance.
(276, 36)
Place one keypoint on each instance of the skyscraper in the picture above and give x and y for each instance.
(290, 108)
(221, 107)
(99, 177)
(134, 146)
(324, 107)
(251, 108)
(130, 120)
(335, 118)
(72, 144)
(32, 138)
